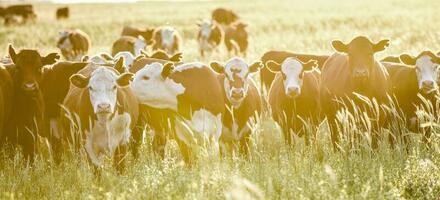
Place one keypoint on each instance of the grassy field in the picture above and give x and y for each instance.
(273, 170)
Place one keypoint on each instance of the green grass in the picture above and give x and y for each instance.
(273, 171)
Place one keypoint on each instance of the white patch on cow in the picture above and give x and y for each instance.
(187, 66)
(102, 89)
(239, 67)
(128, 58)
(98, 60)
(105, 136)
(66, 45)
(153, 90)
(427, 70)
(167, 34)
(205, 29)
(139, 45)
(292, 70)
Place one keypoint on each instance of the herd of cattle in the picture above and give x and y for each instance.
(104, 102)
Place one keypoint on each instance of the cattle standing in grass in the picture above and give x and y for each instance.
(236, 38)
(128, 44)
(167, 38)
(353, 69)
(267, 76)
(74, 44)
(188, 97)
(224, 16)
(28, 118)
(62, 13)
(209, 37)
(146, 34)
(294, 96)
(107, 111)
(243, 102)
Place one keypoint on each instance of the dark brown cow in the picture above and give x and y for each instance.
(146, 34)
(107, 111)
(294, 96)
(209, 37)
(74, 44)
(243, 102)
(224, 16)
(167, 38)
(128, 44)
(28, 118)
(353, 69)
(6, 102)
(236, 38)
(24, 11)
(267, 76)
(195, 109)
(62, 13)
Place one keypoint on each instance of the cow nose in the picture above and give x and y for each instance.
(361, 73)
(237, 94)
(428, 84)
(293, 91)
(30, 86)
(104, 107)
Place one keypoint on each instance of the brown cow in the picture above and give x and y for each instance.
(74, 44)
(128, 44)
(28, 118)
(267, 76)
(146, 34)
(106, 110)
(236, 38)
(224, 16)
(62, 13)
(6, 102)
(167, 38)
(209, 37)
(294, 96)
(353, 69)
(192, 109)
(24, 11)
(243, 102)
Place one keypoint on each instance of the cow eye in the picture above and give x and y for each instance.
(145, 78)
(114, 87)
(90, 88)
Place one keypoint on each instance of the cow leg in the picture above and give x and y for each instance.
(159, 142)
(119, 158)
(136, 140)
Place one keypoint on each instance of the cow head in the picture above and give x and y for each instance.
(154, 87)
(102, 86)
(128, 58)
(167, 34)
(292, 71)
(360, 53)
(147, 34)
(29, 65)
(426, 64)
(236, 72)
(206, 28)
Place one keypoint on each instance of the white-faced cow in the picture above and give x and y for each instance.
(243, 102)
(188, 97)
(209, 37)
(167, 38)
(74, 44)
(294, 96)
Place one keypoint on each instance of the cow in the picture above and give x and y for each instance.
(209, 36)
(102, 104)
(348, 73)
(418, 77)
(129, 44)
(243, 102)
(158, 56)
(224, 16)
(167, 38)
(6, 101)
(294, 96)
(28, 118)
(73, 44)
(146, 34)
(187, 97)
(62, 13)
(267, 77)
(24, 11)
(236, 38)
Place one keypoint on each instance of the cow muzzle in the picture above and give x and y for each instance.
(428, 87)
(30, 87)
(360, 73)
(103, 108)
(293, 92)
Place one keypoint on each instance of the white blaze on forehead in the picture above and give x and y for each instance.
(128, 58)
(167, 34)
(427, 70)
(292, 70)
(205, 29)
(139, 45)
(102, 88)
(153, 90)
(236, 65)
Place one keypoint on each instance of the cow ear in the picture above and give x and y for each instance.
(255, 67)
(50, 59)
(273, 66)
(309, 65)
(176, 57)
(106, 56)
(85, 58)
(167, 69)
(407, 59)
(436, 60)
(340, 46)
(217, 67)
(124, 79)
(119, 66)
(12, 53)
(79, 80)
(381, 45)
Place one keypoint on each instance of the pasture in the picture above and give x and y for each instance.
(273, 170)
